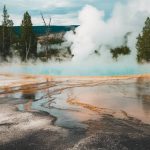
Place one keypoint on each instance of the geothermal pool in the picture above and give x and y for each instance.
(73, 69)
(121, 90)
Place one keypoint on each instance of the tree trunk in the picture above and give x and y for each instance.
(3, 51)
(27, 49)
(47, 35)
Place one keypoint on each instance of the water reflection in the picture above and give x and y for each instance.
(125, 97)
(128, 98)
(30, 97)
(143, 93)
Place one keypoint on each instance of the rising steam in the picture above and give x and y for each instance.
(95, 33)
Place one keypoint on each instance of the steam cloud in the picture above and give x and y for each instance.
(94, 33)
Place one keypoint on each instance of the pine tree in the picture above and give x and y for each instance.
(6, 38)
(143, 43)
(28, 42)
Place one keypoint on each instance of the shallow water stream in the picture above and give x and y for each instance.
(75, 101)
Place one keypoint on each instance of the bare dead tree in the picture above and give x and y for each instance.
(27, 49)
(46, 38)
(3, 38)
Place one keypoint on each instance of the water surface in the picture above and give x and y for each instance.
(75, 101)
(83, 69)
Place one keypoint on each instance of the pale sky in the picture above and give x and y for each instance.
(62, 12)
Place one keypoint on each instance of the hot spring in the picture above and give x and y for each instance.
(74, 69)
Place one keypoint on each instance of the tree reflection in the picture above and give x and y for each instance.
(143, 93)
(28, 95)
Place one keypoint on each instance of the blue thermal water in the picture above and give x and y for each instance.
(77, 70)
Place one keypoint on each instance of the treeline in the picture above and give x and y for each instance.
(24, 45)
(142, 45)
(6, 36)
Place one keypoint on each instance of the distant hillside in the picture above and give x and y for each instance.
(41, 30)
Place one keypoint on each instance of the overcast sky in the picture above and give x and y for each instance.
(63, 12)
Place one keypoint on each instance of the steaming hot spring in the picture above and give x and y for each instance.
(77, 92)
(87, 68)
(92, 98)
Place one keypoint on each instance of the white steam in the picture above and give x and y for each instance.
(94, 33)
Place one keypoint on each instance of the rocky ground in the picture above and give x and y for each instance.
(35, 131)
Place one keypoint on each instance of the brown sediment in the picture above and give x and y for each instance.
(85, 105)
(26, 83)
(103, 111)
(105, 77)
(28, 89)
(35, 80)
